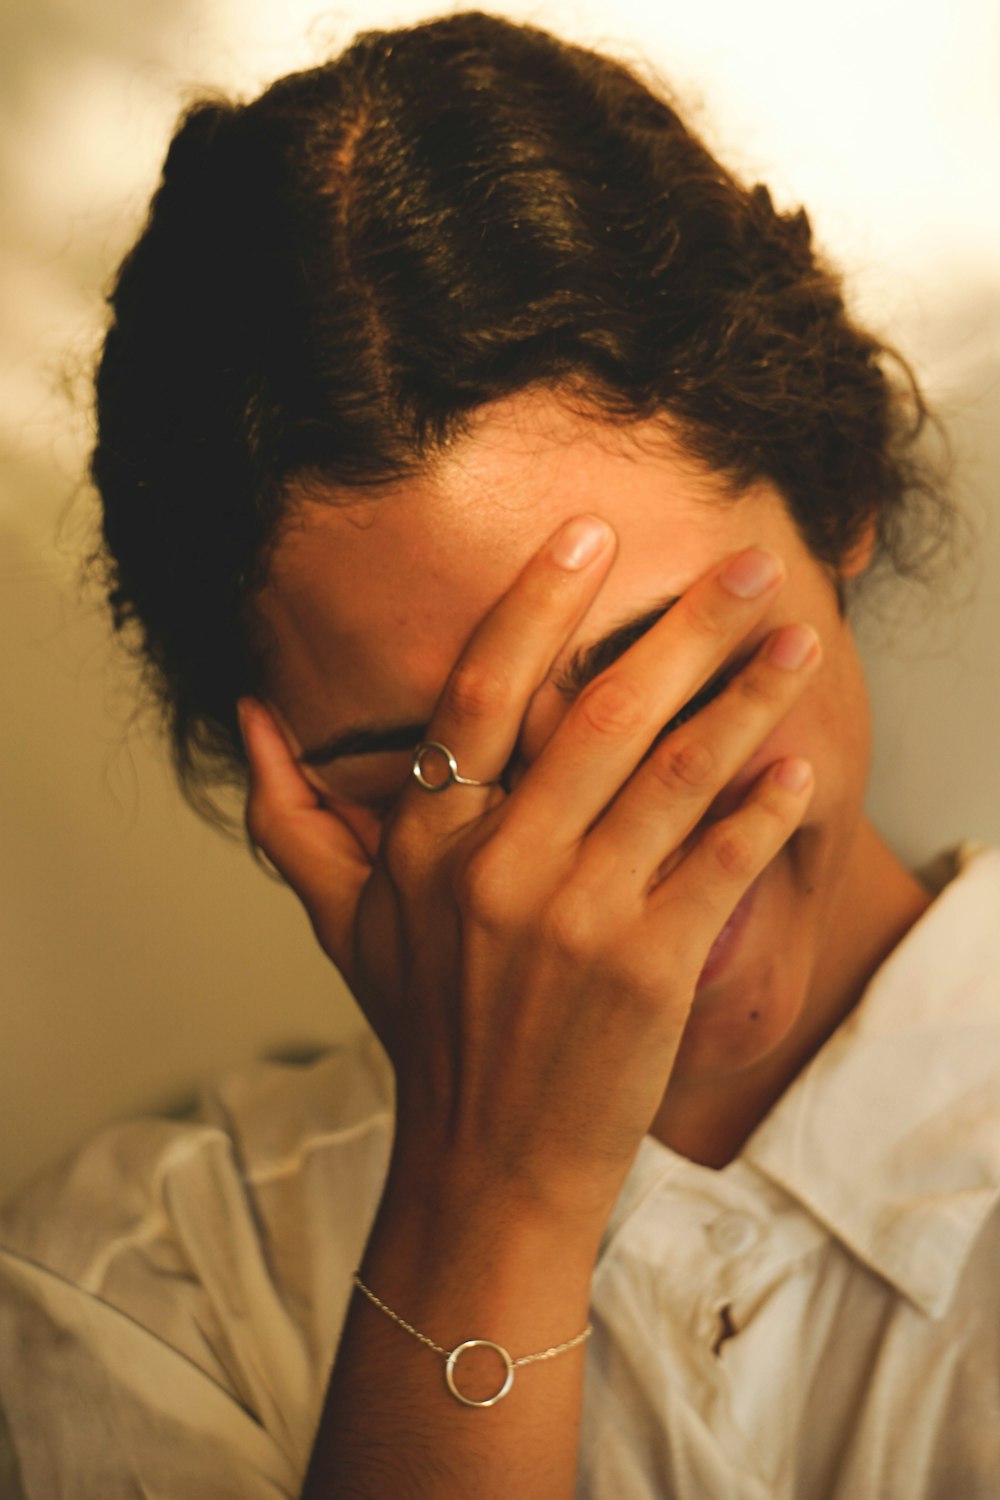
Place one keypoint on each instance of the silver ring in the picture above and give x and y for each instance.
(449, 1369)
(439, 786)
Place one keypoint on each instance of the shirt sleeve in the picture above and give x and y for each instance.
(122, 1414)
(171, 1295)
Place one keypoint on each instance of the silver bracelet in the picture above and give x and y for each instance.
(451, 1357)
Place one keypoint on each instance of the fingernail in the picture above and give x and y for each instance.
(579, 541)
(750, 573)
(792, 647)
(794, 775)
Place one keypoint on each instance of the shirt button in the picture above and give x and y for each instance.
(730, 1233)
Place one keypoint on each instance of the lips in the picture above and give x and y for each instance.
(728, 940)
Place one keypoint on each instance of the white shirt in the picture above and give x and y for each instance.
(820, 1320)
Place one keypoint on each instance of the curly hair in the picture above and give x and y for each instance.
(333, 277)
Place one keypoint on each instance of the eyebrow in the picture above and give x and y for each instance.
(586, 663)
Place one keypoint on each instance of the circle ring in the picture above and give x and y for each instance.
(453, 775)
(453, 1357)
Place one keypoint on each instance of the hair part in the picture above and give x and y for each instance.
(334, 277)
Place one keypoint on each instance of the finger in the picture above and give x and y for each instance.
(478, 717)
(311, 847)
(617, 717)
(683, 774)
(725, 860)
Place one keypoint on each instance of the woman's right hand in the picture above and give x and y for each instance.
(529, 958)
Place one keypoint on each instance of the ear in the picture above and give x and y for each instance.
(858, 557)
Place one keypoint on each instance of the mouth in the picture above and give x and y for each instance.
(727, 942)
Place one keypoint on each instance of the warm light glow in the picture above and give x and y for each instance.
(130, 961)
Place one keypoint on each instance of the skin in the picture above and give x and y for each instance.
(557, 938)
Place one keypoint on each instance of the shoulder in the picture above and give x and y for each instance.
(954, 948)
(264, 1129)
(190, 1277)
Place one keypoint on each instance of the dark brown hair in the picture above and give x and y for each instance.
(332, 277)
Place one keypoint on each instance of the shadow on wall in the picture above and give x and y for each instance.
(141, 950)
(932, 655)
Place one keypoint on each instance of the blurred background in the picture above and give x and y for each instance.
(140, 951)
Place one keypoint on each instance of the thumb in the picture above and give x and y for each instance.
(313, 849)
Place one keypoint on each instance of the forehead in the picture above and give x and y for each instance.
(370, 601)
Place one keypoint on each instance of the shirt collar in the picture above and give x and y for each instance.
(891, 1135)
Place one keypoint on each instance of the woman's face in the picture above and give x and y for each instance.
(371, 601)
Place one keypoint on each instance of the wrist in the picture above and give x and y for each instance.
(462, 1260)
(523, 1184)
(485, 1395)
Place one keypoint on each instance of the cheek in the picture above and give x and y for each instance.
(832, 729)
(725, 1035)
(830, 726)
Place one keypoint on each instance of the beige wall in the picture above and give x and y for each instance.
(140, 951)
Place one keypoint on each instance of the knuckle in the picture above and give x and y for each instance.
(611, 706)
(570, 925)
(478, 690)
(484, 889)
(640, 987)
(732, 849)
(705, 623)
(685, 762)
(758, 689)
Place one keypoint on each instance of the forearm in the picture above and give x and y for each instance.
(510, 949)
(457, 1265)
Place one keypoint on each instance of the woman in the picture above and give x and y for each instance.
(484, 469)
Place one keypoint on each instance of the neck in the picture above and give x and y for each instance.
(876, 904)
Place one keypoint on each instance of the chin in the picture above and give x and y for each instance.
(736, 1025)
(753, 988)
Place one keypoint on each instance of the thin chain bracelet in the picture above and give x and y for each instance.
(451, 1356)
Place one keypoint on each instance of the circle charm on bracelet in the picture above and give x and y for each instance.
(450, 1360)
(435, 748)
(449, 1371)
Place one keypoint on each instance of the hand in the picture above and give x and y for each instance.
(529, 959)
